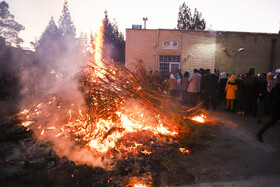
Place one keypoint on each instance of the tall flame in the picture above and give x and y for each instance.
(97, 45)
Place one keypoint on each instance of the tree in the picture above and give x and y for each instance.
(48, 47)
(187, 21)
(83, 44)
(65, 23)
(114, 43)
(9, 28)
(58, 48)
(57, 41)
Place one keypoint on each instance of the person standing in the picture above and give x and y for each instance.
(194, 88)
(185, 85)
(240, 95)
(221, 87)
(209, 89)
(231, 88)
(262, 97)
(172, 84)
(269, 88)
(251, 92)
(275, 112)
(179, 88)
(156, 77)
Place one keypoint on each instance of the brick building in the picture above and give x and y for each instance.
(169, 50)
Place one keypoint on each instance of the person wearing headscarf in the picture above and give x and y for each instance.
(275, 112)
(270, 81)
(178, 86)
(269, 88)
(231, 88)
(172, 84)
(262, 96)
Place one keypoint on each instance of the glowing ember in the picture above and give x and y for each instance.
(201, 118)
(139, 181)
(140, 185)
(184, 150)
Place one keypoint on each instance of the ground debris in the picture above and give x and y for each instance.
(34, 162)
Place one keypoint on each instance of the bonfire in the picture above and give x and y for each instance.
(124, 116)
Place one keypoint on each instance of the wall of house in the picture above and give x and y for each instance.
(140, 47)
(257, 52)
(205, 49)
(198, 50)
(276, 52)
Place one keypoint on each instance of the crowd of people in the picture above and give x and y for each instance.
(250, 94)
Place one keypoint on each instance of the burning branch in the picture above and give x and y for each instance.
(122, 111)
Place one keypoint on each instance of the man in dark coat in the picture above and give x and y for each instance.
(251, 92)
(209, 89)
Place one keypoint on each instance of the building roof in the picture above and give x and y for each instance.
(211, 31)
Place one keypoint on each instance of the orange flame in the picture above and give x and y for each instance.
(140, 181)
(97, 45)
(184, 150)
(200, 118)
(140, 185)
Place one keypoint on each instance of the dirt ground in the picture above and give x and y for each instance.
(231, 156)
(227, 155)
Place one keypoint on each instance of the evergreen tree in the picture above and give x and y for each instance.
(69, 43)
(114, 43)
(48, 47)
(83, 43)
(187, 21)
(65, 23)
(9, 28)
(199, 24)
(59, 53)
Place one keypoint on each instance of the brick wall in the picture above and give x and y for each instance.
(199, 48)
(256, 53)
(140, 46)
(204, 49)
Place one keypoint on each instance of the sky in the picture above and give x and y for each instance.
(220, 15)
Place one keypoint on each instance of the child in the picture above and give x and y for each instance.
(231, 88)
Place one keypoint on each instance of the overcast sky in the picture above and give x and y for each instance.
(222, 15)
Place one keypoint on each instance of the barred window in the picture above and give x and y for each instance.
(165, 58)
(169, 64)
(164, 67)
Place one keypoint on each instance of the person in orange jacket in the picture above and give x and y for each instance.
(231, 88)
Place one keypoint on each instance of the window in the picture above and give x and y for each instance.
(163, 58)
(169, 64)
(164, 67)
